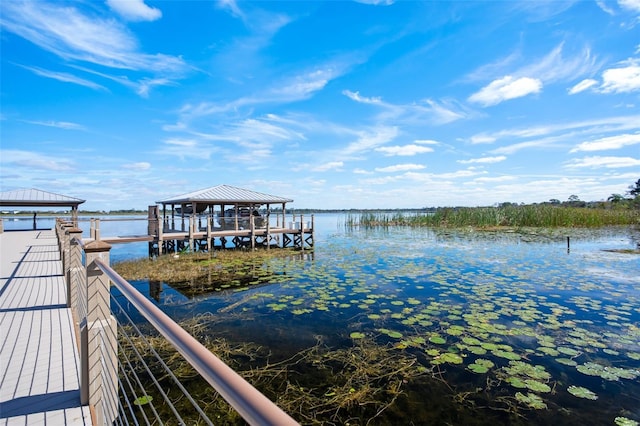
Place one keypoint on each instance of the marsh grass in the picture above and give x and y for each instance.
(511, 216)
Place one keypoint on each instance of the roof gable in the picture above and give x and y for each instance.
(224, 194)
(37, 198)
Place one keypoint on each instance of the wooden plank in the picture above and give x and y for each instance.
(39, 362)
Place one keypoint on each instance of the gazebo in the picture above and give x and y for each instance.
(38, 198)
(233, 204)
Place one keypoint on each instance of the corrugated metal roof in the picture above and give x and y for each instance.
(36, 197)
(224, 194)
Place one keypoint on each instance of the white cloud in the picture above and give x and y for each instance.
(355, 96)
(435, 112)
(582, 86)
(186, 148)
(611, 142)
(404, 150)
(302, 86)
(134, 10)
(495, 179)
(143, 165)
(506, 88)
(400, 168)
(231, 6)
(482, 138)
(603, 162)
(332, 165)
(484, 160)
(554, 66)
(369, 140)
(605, 7)
(623, 79)
(64, 77)
(63, 30)
(58, 124)
(632, 5)
(33, 160)
(565, 130)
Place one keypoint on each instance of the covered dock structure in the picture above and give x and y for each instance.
(38, 198)
(225, 216)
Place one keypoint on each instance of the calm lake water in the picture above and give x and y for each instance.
(507, 328)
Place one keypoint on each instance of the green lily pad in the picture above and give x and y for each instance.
(450, 358)
(581, 392)
(537, 386)
(531, 400)
(357, 335)
(567, 361)
(481, 366)
(623, 421)
(143, 400)
(438, 340)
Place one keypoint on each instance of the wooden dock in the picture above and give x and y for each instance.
(202, 232)
(39, 362)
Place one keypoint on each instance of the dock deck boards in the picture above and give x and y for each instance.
(39, 362)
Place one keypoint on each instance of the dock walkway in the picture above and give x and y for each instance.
(39, 362)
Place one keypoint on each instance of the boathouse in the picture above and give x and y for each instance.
(225, 216)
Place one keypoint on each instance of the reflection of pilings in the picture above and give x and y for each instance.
(155, 289)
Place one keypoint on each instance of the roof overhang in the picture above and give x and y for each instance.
(37, 198)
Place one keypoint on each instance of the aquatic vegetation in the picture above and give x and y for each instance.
(499, 322)
(607, 372)
(515, 216)
(481, 366)
(581, 392)
(531, 400)
(623, 421)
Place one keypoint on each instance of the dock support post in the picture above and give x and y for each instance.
(302, 232)
(98, 340)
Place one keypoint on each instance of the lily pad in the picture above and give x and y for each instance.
(623, 421)
(531, 400)
(357, 335)
(581, 392)
(143, 400)
(438, 340)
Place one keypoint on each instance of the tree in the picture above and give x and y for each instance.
(615, 198)
(634, 190)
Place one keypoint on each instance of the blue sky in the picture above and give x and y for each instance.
(338, 104)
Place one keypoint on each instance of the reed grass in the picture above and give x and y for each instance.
(512, 216)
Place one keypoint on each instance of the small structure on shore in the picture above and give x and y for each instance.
(229, 216)
(38, 198)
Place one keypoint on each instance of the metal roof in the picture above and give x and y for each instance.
(37, 198)
(224, 194)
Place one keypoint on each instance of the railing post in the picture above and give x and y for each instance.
(96, 231)
(74, 268)
(64, 250)
(98, 337)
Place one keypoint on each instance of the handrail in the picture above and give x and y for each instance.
(250, 403)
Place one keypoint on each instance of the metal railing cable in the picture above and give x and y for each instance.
(131, 372)
(252, 405)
